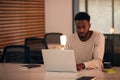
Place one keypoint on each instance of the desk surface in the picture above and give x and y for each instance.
(17, 72)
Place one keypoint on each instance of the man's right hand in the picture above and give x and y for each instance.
(80, 66)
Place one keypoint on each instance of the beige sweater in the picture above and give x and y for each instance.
(89, 52)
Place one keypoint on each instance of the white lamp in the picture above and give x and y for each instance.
(112, 30)
(63, 40)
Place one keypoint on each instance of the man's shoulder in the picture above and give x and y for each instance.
(72, 36)
(98, 34)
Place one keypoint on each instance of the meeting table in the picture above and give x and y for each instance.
(15, 71)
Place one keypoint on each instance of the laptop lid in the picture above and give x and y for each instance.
(59, 60)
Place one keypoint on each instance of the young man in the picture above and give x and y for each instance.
(88, 45)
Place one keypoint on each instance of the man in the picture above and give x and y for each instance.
(88, 45)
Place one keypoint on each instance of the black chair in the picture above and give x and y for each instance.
(52, 38)
(109, 51)
(16, 54)
(36, 45)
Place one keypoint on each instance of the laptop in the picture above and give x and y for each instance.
(59, 60)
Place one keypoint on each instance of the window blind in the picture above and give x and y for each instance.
(20, 19)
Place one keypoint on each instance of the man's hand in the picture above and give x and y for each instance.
(80, 66)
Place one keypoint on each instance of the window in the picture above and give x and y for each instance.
(104, 14)
(20, 19)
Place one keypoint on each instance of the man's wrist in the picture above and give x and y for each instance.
(83, 65)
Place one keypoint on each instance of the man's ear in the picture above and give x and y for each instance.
(76, 21)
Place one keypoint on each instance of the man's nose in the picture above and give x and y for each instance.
(81, 30)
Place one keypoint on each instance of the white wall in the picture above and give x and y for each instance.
(58, 16)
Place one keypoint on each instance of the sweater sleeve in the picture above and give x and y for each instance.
(98, 54)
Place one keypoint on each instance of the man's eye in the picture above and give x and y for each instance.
(83, 27)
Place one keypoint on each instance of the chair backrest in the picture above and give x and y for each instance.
(16, 54)
(52, 38)
(109, 51)
(36, 45)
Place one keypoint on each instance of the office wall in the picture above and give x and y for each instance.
(58, 16)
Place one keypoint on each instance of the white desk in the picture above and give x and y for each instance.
(16, 72)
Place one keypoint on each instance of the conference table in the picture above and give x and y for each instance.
(13, 71)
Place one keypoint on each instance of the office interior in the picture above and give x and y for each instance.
(20, 19)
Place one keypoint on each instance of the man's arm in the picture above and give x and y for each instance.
(96, 62)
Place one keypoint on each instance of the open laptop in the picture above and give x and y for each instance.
(59, 60)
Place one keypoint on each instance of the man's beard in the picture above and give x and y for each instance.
(83, 35)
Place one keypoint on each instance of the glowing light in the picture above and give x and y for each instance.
(112, 30)
(63, 39)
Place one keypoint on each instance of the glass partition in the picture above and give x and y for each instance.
(105, 14)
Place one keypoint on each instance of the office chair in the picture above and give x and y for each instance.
(109, 51)
(52, 38)
(16, 54)
(36, 44)
(117, 49)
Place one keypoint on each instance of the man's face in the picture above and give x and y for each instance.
(82, 27)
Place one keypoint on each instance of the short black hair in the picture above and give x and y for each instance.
(82, 16)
